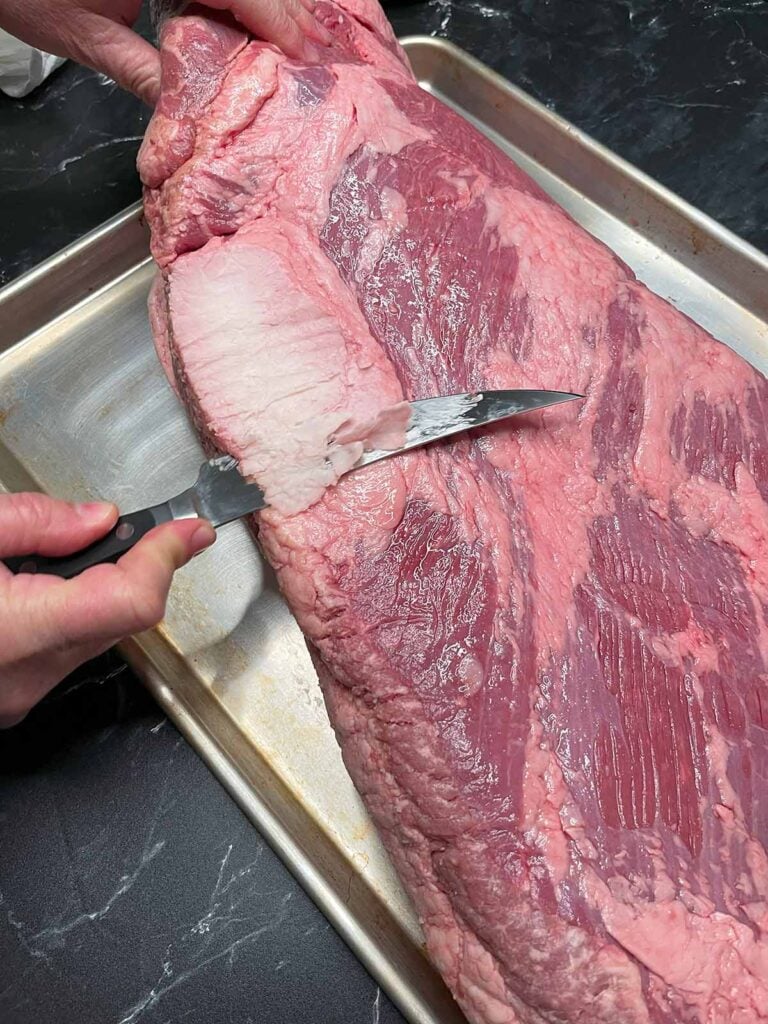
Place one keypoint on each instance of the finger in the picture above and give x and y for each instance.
(270, 21)
(306, 21)
(121, 54)
(34, 524)
(273, 22)
(115, 601)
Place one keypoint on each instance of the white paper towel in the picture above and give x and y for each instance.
(22, 67)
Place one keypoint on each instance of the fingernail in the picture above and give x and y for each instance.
(202, 538)
(94, 511)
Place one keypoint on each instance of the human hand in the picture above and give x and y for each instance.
(49, 626)
(99, 33)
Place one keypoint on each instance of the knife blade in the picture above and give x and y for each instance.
(221, 494)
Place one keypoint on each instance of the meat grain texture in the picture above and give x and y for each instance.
(543, 649)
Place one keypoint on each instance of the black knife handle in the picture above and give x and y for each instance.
(127, 531)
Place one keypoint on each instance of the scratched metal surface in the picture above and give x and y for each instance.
(85, 411)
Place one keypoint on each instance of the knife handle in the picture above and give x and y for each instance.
(127, 531)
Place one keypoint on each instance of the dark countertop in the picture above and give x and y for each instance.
(131, 887)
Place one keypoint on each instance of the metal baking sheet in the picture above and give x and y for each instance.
(85, 412)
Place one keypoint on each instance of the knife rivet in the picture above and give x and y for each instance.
(125, 531)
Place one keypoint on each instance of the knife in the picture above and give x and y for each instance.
(222, 495)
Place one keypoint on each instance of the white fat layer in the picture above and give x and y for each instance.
(276, 369)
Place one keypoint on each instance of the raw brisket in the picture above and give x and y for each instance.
(543, 648)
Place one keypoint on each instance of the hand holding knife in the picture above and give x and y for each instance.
(221, 494)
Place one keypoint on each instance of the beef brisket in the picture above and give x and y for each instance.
(543, 649)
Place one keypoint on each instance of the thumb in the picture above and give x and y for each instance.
(113, 601)
(121, 54)
(36, 524)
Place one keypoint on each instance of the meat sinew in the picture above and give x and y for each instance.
(542, 649)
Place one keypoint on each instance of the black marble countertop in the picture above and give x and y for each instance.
(131, 887)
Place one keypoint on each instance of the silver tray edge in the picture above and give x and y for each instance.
(387, 974)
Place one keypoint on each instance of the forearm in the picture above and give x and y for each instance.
(96, 33)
